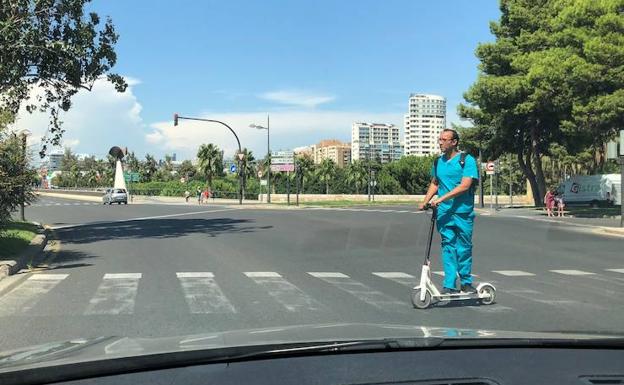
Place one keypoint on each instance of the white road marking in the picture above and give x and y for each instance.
(616, 270)
(25, 296)
(284, 292)
(115, 295)
(123, 276)
(262, 274)
(202, 293)
(513, 273)
(399, 277)
(145, 218)
(328, 275)
(200, 274)
(572, 272)
(363, 292)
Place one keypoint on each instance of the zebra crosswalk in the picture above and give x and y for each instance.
(206, 292)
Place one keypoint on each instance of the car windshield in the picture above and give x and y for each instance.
(174, 170)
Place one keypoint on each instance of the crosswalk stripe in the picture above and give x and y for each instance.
(262, 274)
(26, 295)
(202, 293)
(572, 272)
(513, 273)
(328, 275)
(115, 295)
(362, 292)
(616, 270)
(284, 292)
(399, 277)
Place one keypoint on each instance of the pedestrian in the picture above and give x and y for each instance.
(549, 201)
(199, 195)
(560, 204)
(206, 194)
(453, 176)
(187, 195)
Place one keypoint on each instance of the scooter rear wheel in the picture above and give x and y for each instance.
(489, 293)
(416, 299)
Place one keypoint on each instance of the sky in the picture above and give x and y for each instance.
(313, 67)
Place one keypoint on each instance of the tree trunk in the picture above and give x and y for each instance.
(530, 176)
(537, 160)
(326, 187)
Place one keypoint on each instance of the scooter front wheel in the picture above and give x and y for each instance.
(416, 299)
(487, 294)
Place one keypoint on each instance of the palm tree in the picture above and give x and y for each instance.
(305, 165)
(248, 167)
(326, 172)
(356, 174)
(210, 161)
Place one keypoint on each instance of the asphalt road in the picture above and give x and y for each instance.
(163, 270)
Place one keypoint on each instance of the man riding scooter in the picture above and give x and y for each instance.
(452, 179)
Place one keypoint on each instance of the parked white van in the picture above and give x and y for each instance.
(595, 190)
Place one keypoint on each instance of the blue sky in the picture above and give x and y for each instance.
(315, 66)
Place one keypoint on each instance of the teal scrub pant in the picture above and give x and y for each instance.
(456, 233)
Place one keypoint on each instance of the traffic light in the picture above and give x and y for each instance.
(175, 119)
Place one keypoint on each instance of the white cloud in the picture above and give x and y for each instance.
(97, 120)
(289, 129)
(297, 98)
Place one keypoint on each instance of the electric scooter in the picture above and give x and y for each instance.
(426, 292)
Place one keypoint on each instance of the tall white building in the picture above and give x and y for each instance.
(375, 141)
(423, 124)
(55, 158)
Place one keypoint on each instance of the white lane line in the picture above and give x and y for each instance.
(57, 204)
(572, 272)
(513, 273)
(616, 270)
(115, 295)
(262, 274)
(202, 293)
(328, 275)
(363, 292)
(284, 292)
(145, 218)
(399, 277)
(25, 296)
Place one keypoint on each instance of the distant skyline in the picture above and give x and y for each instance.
(316, 67)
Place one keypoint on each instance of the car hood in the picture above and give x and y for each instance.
(111, 347)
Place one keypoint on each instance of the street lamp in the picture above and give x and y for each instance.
(240, 153)
(268, 156)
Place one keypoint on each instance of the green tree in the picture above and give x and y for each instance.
(356, 175)
(326, 171)
(187, 169)
(210, 161)
(148, 171)
(16, 176)
(553, 75)
(305, 169)
(54, 46)
(248, 167)
(69, 160)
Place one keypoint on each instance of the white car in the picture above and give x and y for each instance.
(115, 195)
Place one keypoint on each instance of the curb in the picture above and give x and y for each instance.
(12, 266)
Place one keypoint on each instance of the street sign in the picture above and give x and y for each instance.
(283, 167)
(260, 174)
(263, 182)
(233, 168)
(490, 166)
(132, 176)
(283, 157)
